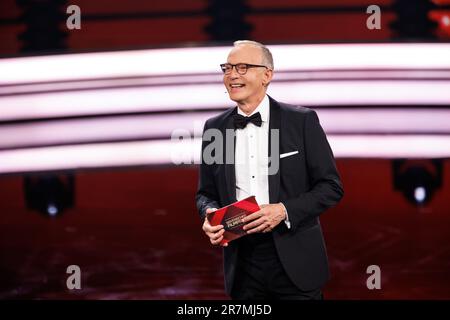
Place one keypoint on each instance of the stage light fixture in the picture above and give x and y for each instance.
(49, 194)
(418, 180)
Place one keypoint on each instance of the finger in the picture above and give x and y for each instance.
(217, 241)
(214, 234)
(254, 224)
(212, 229)
(259, 228)
(217, 235)
(268, 229)
(207, 226)
(209, 210)
(253, 216)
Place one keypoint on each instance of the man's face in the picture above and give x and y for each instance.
(247, 88)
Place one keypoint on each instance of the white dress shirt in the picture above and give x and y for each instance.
(251, 158)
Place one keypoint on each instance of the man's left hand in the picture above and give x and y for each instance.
(264, 220)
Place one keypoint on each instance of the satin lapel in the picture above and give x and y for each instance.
(230, 175)
(274, 123)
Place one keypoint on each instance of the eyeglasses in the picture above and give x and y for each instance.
(241, 68)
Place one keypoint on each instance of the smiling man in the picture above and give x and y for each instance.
(283, 255)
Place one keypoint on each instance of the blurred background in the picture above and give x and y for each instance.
(90, 176)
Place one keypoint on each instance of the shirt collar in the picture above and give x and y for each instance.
(263, 108)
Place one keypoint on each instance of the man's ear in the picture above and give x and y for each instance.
(268, 74)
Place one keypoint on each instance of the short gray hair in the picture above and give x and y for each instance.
(267, 55)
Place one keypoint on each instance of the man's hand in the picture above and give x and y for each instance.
(215, 234)
(265, 219)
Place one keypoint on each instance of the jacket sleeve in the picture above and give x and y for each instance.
(207, 195)
(326, 187)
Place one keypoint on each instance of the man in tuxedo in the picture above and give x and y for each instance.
(282, 157)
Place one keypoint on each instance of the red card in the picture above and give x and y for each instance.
(230, 217)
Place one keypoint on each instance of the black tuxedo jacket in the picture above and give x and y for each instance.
(307, 183)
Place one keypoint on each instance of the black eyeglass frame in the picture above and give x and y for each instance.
(247, 66)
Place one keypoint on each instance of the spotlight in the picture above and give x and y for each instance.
(420, 194)
(52, 210)
(417, 179)
(49, 194)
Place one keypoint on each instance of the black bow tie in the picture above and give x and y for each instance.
(240, 122)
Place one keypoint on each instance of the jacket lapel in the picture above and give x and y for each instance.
(274, 123)
(230, 175)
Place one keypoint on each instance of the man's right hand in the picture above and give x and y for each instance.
(215, 234)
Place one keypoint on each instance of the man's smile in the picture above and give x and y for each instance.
(234, 87)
